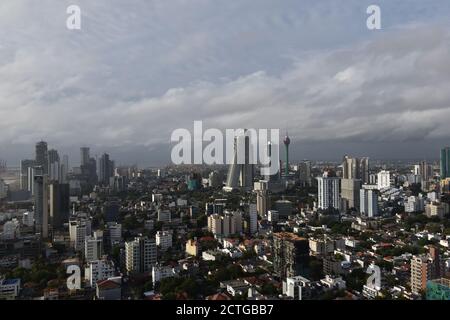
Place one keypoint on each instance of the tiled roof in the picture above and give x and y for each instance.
(107, 285)
(218, 296)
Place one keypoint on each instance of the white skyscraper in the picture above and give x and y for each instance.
(78, 231)
(369, 202)
(93, 248)
(140, 255)
(241, 173)
(328, 192)
(384, 179)
(226, 224)
(25, 181)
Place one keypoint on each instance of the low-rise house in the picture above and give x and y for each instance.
(109, 289)
(212, 255)
(332, 283)
(235, 287)
(162, 272)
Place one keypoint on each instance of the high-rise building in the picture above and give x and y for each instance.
(164, 215)
(262, 202)
(355, 168)
(53, 165)
(3, 189)
(164, 240)
(118, 183)
(215, 224)
(32, 172)
(93, 248)
(445, 162)
(89, 172)
(140, 255)
(79, 229)
(215, 179)
(241, 173)
(24, 167)
(290, 254)
(425, 267)
(84, 156)
(414, 204)
(42, 156)
(304, 169)
(99, 270)
(364, 170)
(194, 181)
(328, 192)
(226, 224)
(114, 232)
(287, 142)
(273, 180)
(59, 204)
(350, 168)
(64, 169)
(11, 230)
(105, 169)
(41, 204)
(368, 202)
(383, 179)
(251, 219)
(284, 208)
(425, 171)
(350, 192)
(111, 208)
(436, 209)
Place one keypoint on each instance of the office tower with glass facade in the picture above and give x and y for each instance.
(445, 162)
(42, 156)
(41, 204)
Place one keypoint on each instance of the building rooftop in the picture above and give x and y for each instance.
(9, 282)
(107, 285)
(289, 236)
(218, 296)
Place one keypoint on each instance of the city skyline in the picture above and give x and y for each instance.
(75, 159)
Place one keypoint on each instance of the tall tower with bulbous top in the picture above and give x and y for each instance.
(287, 142)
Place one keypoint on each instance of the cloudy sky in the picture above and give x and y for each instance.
(138, 69)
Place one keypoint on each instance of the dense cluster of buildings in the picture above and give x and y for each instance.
(354, 229)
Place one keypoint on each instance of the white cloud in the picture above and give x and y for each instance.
(131, 76)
